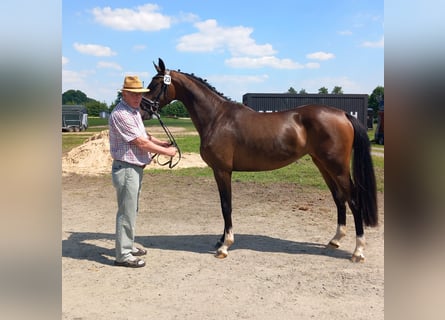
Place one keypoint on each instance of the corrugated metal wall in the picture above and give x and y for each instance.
(355, 104)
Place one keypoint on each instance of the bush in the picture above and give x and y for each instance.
(176, 109)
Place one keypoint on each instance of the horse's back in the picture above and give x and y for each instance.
(315, 111)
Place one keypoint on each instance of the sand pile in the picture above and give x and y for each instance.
(93, 158)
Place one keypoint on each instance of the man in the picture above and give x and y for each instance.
(130, 148)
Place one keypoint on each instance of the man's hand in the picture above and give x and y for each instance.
(171, 151)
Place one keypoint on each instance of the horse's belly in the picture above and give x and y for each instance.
(261, 163)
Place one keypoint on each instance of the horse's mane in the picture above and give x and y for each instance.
(208, 85)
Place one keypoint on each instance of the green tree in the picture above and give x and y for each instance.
(302, 91)
(292, 91)
(323, 90)
(376, 99)
(118, 99)
(74, 97)
(94, 107)
(337, 90)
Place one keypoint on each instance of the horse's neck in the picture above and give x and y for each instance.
(203, 104)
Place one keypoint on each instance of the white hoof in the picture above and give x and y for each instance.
(229, 239)
(335, 244)
(358, 258)
(358, 255)
(221, 253)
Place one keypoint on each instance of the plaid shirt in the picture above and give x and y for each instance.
(126, 125)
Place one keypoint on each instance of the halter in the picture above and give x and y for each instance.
(153, 107)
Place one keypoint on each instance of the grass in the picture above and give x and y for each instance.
(303, 172)
(374, 146)
(96, 121)
(172, 122)
(70, 141)
(188, 143)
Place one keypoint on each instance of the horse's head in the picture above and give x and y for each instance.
(162, 90)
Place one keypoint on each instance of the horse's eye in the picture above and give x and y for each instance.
(153, 86)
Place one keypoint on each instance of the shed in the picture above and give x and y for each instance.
(354, 104)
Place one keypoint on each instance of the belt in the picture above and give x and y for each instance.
(132, 164)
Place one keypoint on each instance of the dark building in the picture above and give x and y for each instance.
(354, 104)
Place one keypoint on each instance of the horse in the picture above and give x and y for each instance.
(234, 137)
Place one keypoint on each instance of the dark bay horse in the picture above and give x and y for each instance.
(236, 138)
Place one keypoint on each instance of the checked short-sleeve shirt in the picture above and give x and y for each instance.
(125, 124)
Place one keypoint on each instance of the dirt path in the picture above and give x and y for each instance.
(278, 267)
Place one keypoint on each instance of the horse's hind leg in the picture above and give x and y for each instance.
(358, 255)
(223, 180)
(343, 194)
(339, 234)
(340, 202)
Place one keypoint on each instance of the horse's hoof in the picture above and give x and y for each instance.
(220, 254)
(333, 244)
(359, 258)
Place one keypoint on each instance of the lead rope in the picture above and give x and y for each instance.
(170, 162)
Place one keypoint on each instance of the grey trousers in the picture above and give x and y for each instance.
(127, 180)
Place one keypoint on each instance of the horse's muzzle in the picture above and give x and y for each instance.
(150, 106)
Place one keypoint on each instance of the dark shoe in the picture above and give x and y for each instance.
(139, 252)
(136, 263)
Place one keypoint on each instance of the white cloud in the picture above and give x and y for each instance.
(87, 82)
(94, 50)
(143, 18)
(109, 65)
(238, 41)
(75, 79)
(212, 37)
(139, 47)
(376, 44)
(345, 32)
(72, 77)
(312, 65)
(267, 61)
(234, 86)
(186, 17)
(238, 79)
(141, 74)
(65, 60)
(320, 55)
(347, 85)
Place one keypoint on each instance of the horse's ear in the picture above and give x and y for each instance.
(156, 67)
(160, 68)
(161, 65)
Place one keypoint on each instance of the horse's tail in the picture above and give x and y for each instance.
(365, 189)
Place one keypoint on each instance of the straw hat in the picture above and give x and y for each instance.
(133, 84)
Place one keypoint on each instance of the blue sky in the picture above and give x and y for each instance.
(238, 46)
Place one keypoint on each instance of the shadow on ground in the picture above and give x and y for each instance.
(78, 245)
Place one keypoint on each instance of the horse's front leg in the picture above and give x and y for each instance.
(341, 232)
(341, 214)
(223, 180)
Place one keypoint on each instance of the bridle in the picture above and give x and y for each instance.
(152, 107)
